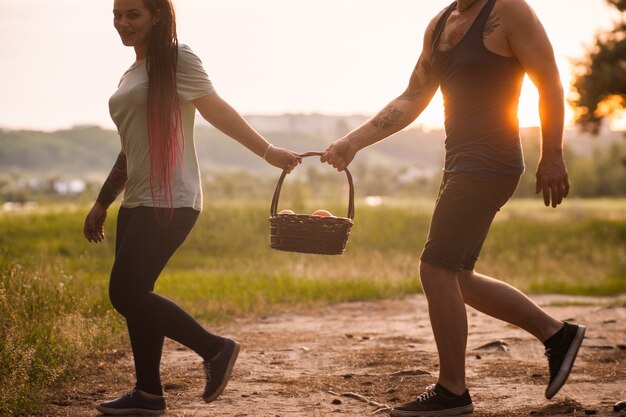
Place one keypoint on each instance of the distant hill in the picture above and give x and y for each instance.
(91, 151)
(87, 151)
(75, 152)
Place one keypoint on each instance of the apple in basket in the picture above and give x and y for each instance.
(286, 211)
(322, 213)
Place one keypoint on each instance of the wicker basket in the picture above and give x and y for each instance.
(306, 233)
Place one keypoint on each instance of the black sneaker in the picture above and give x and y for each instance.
(218, 370)
(133, 403)
(561, 358)
(436, 401)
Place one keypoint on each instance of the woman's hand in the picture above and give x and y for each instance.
(282, 158)
(94, 223)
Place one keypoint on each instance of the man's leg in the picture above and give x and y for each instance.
(505, 302)
(461, 219)
(448, 318)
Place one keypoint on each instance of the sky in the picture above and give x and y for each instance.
(62, 59)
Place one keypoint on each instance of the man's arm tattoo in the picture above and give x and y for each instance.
(412, 92)
(492, 24)
(425, 66)
(114, 183)
(390, 116)
(387, 118)
(416, 86)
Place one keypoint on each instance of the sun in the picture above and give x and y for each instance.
(527, 114)
(528, 111)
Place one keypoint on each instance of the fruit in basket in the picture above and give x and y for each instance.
(322, 213)
(286, 211)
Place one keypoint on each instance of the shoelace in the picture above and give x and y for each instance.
(429, 393)
(207, 371)
(549, 353)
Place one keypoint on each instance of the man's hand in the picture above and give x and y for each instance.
(552, 179)
(94, 223)
(340, 154)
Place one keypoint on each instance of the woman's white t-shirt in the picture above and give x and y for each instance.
(128, 108)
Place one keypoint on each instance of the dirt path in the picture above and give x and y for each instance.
(304, 364)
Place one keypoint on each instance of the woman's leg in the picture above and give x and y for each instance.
(143, 249)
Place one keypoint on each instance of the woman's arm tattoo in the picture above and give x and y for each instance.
(387, 118)
(114, 183)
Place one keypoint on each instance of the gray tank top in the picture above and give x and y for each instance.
(481, 94)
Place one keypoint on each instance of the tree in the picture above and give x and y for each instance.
(600, 79)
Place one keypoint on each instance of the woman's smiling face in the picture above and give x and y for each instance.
(133, 21)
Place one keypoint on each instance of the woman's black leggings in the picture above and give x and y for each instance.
(142, 248)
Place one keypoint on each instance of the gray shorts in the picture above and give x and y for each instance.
(463, 213)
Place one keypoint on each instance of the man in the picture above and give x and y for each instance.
(477, 52)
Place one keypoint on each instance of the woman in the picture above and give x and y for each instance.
(154, 110)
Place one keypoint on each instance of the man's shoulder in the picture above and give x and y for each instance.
(441, 12)
(512, 3)
(515, 15)
(436, 18)
(513, 8)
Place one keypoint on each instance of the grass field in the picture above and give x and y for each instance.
(55, 315)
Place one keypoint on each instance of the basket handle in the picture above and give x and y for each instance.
(274, 206)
